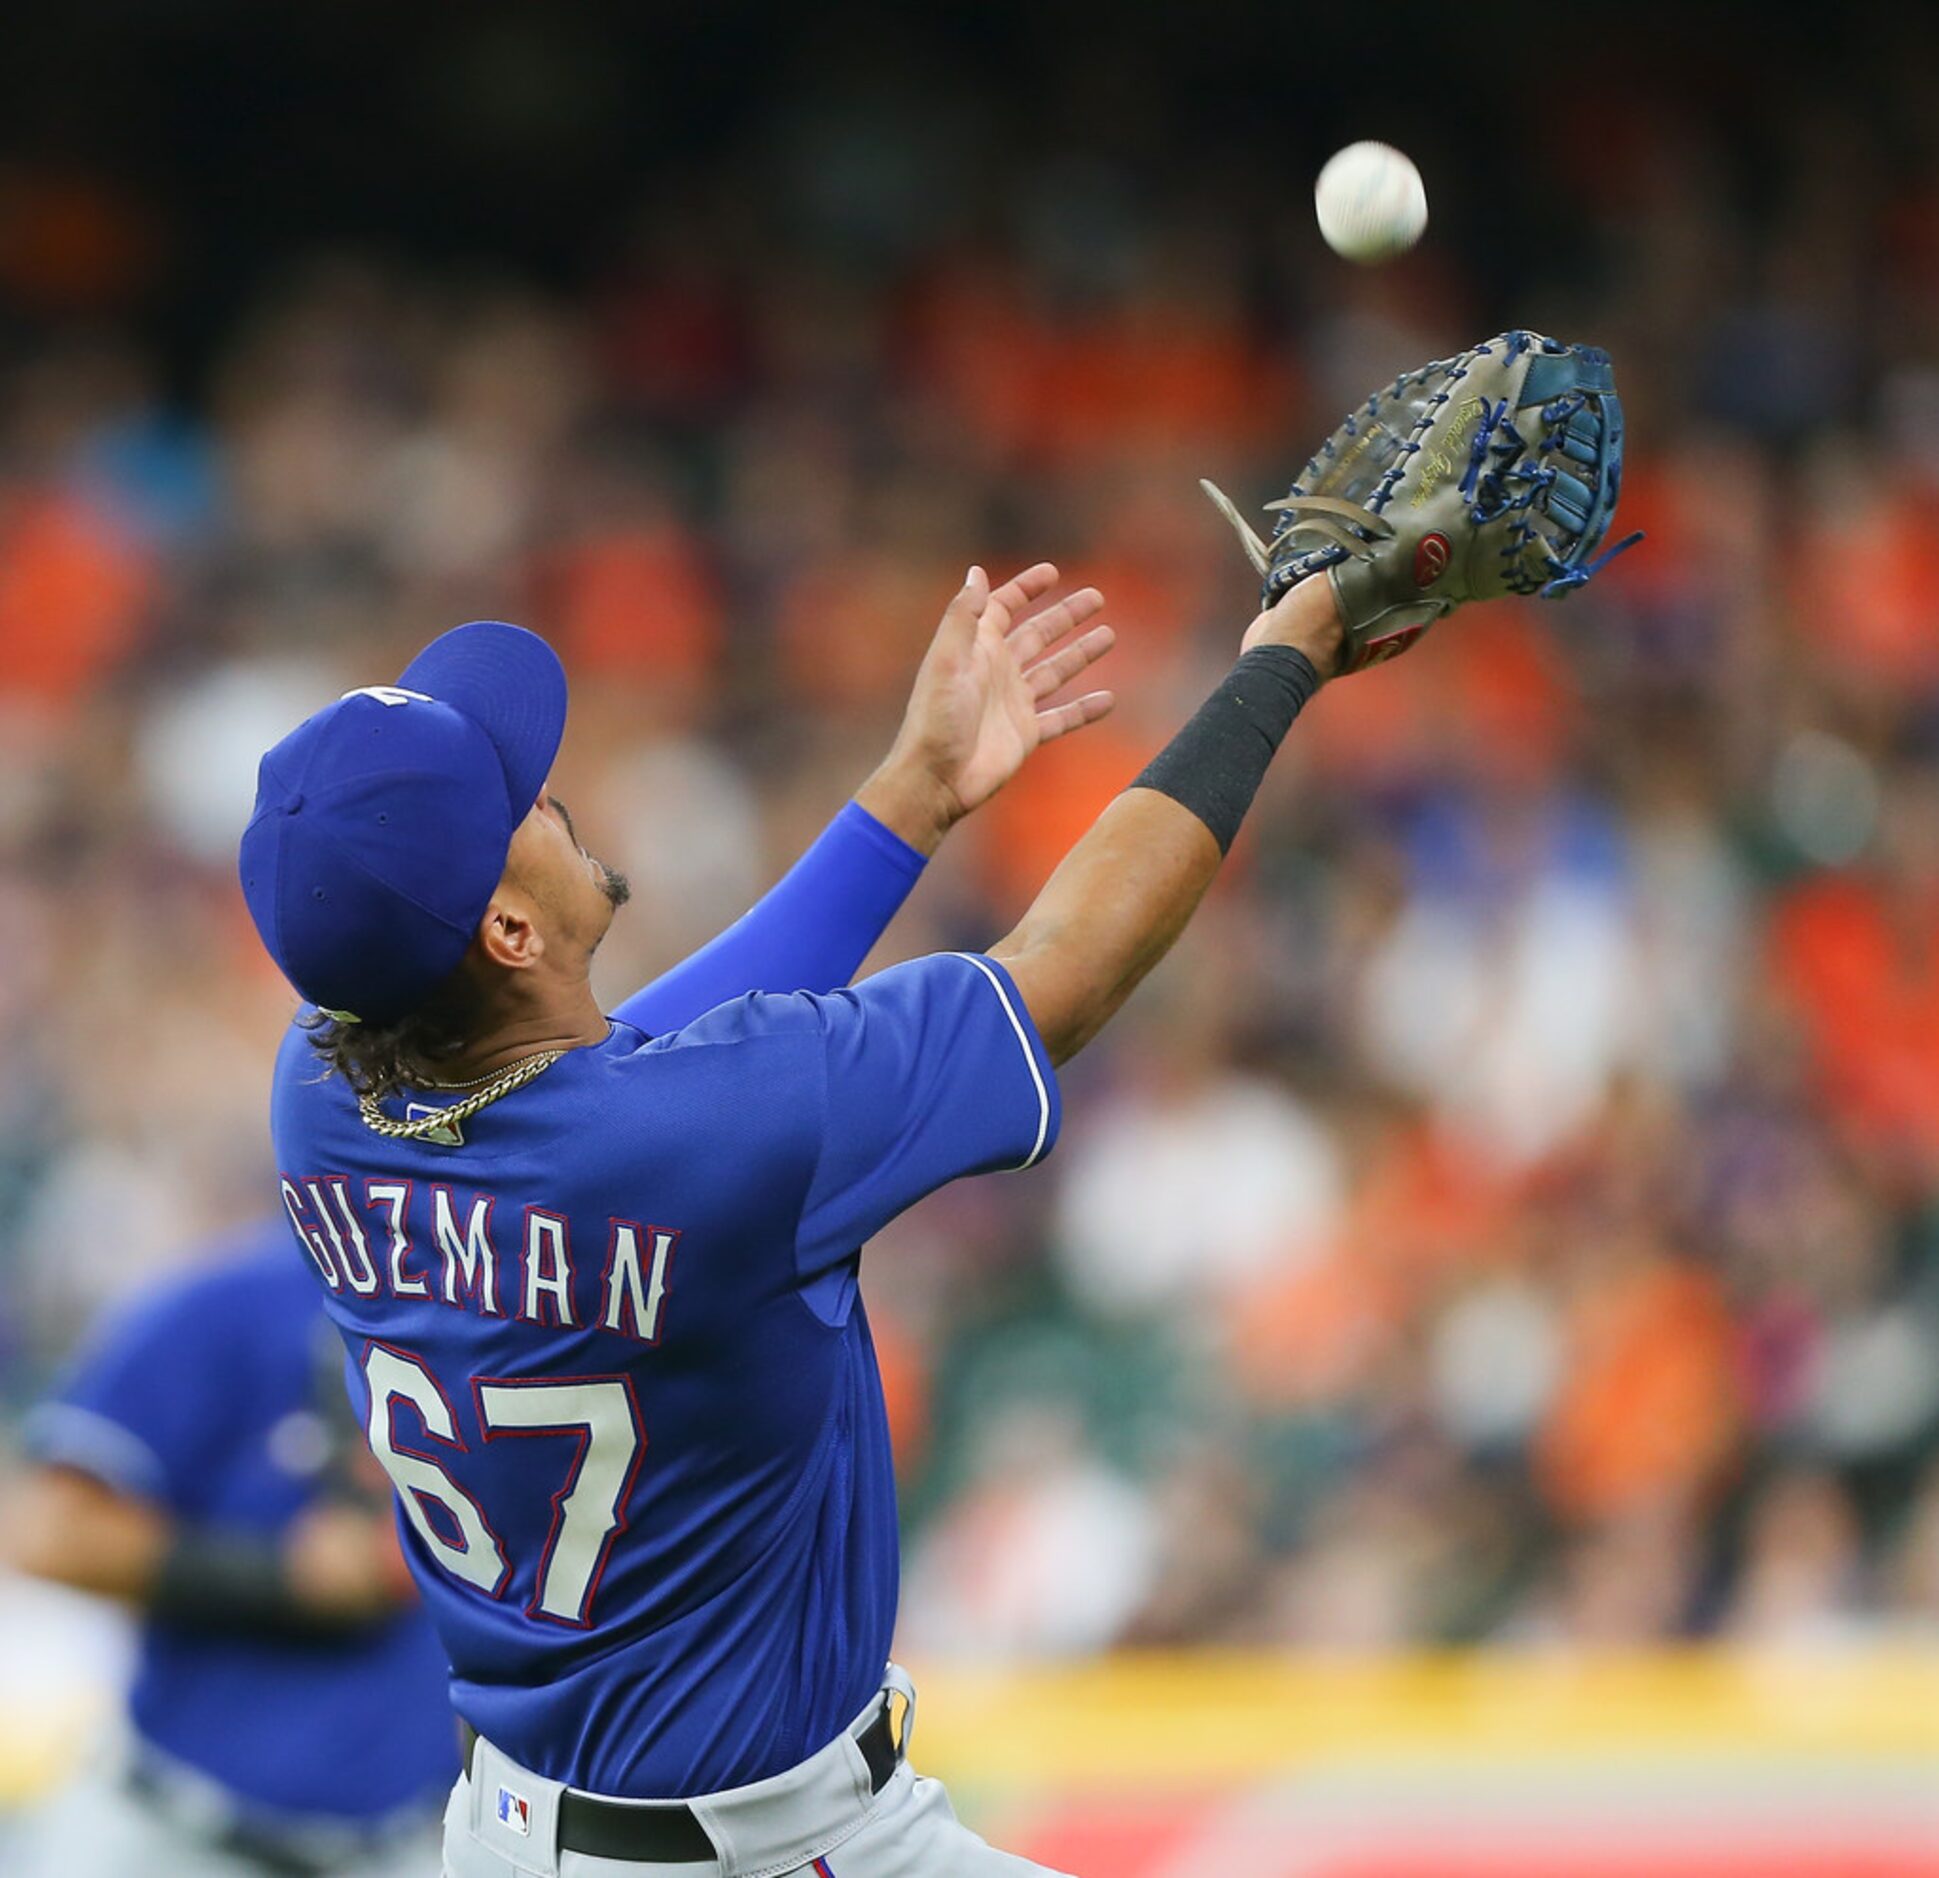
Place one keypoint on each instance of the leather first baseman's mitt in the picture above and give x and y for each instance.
(1492, 473)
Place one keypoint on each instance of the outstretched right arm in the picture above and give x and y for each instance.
(930, 1071)
(946, 1066)
(1121, 897)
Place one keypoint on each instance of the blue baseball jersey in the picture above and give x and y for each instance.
(608, 1343)
(205, 1397)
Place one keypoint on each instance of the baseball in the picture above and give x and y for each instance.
(1370, 202)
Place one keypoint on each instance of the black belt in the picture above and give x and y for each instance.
(653, 1833)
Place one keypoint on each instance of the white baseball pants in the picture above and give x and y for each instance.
(818, 1820)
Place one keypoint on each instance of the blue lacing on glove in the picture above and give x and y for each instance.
(1508, 476)
(1567, 579)
(1556, 493)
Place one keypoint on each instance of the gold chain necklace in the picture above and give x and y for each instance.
(445, 1122)
(490, 1075)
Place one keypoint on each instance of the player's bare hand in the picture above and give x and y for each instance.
(343, 1562)
(983, 699)
(1306, 617)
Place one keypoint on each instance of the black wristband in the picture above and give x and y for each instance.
(235, 1583)
(1214, 766)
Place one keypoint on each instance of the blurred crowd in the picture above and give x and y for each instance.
(1514, 1211)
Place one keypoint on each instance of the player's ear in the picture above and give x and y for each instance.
(508, 935)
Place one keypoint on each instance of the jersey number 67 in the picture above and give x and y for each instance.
(588, 1510)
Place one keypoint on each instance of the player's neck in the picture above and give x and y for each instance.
(524, 1021)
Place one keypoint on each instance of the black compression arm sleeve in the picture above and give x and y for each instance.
(1214, 766)
(234, 1583)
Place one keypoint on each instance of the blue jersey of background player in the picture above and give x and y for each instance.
(297, 1717)
(286, 1708)
(598, 1287)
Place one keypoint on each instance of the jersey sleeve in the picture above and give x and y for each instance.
(810, 932)
(930, 1071)
(135, 1409)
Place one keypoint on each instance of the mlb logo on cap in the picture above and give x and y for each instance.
(515, 1812)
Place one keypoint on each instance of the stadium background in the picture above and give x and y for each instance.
(1465, 1395)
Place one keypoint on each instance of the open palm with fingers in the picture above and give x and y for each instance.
(982, 700)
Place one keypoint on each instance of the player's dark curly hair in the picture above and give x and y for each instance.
(378, 1059)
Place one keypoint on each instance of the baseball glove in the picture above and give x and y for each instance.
(1492, 473)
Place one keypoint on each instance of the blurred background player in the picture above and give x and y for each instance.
(200, 1464)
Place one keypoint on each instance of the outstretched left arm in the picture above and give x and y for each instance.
(976, 713)
(808, 932)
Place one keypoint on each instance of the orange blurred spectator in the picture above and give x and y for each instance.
(1421, 1210)
(969, 335)
(1494, 694)
(1512, 696)
(639, 601)
(72, 591)
(905, 1387)
(1425, 1207)
(1868, 586)
(1022, 835)
(1153, 370)
(1647, 1413)
(851, 628)
(1313, 1333)
(1863, 979)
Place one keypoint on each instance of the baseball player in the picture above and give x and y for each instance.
(598, 1286)
(290, 1712)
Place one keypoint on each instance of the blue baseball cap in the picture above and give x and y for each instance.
(382, 822)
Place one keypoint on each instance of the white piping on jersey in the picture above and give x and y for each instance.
(1029, 1057)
